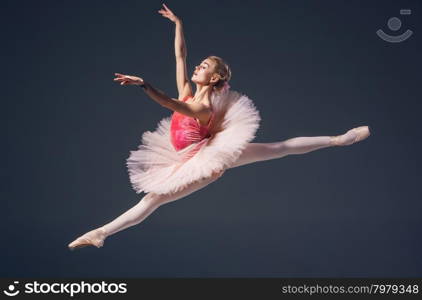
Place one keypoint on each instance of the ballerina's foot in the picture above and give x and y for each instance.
(94, 237)
(352, 136)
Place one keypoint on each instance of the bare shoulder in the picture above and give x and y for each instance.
(205, 113)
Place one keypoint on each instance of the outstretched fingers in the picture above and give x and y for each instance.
(166, 12)
(120, 78)
(167, 9)
(128, 79)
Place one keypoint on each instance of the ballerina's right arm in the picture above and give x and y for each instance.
(183, 85)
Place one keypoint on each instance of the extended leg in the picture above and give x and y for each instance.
(148, 204)
(255, 152)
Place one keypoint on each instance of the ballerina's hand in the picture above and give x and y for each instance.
(128, 80)
(167, 13)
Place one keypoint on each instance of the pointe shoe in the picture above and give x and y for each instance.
(352, 136)
(92, 238)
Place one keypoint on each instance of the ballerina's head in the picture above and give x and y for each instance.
(213, 71)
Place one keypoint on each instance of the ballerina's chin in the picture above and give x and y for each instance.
(207, 133)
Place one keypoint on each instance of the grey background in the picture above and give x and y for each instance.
(311, 67)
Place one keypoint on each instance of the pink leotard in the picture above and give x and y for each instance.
(185, 130)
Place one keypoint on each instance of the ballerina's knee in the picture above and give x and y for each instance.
(154, 199)
(279, 149)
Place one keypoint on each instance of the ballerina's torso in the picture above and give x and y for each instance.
(185, 130)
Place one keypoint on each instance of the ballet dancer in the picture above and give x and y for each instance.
(208, 132)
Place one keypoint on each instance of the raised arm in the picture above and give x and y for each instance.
(183, 84)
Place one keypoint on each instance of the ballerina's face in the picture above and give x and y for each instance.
(204, 73)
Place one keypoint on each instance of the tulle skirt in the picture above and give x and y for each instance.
(157, 167)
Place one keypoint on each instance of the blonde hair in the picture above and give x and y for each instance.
(222, 69)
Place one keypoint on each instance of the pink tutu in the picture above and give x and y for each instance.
(158, 167)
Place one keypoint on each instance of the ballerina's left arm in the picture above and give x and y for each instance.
(194, 110)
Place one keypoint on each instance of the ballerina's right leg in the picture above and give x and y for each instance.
(150, 202)
(255, 152)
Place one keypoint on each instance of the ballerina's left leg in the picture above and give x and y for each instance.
(146, 206)
(150, 202)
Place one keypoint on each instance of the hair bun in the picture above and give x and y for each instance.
(222, 69)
